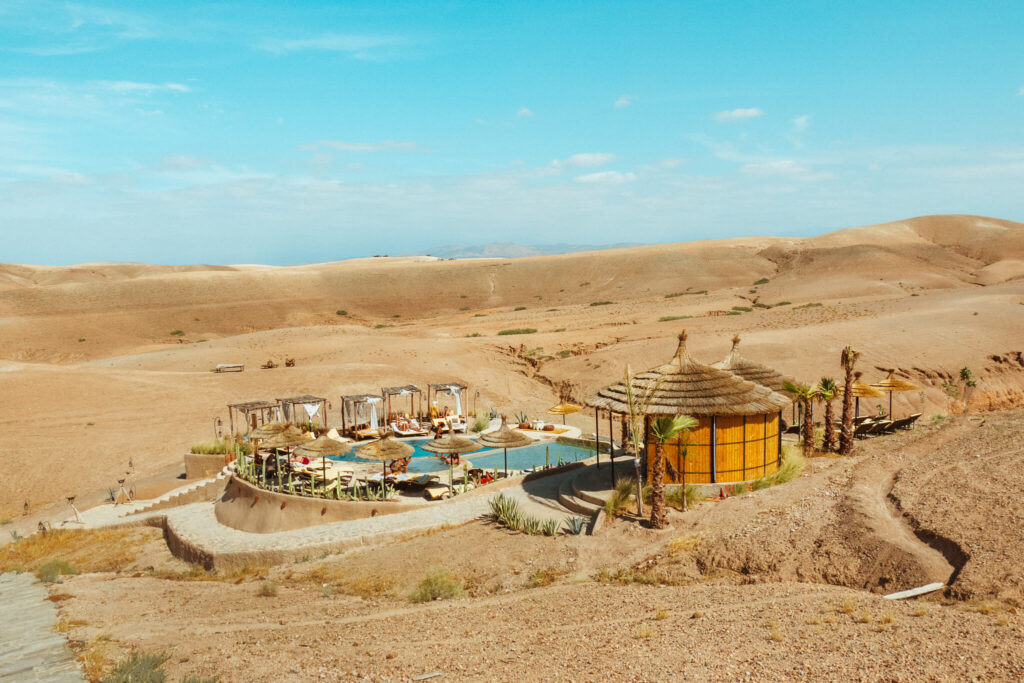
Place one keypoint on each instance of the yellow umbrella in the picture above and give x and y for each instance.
(860, 390)
(893, 383)
(564, 408)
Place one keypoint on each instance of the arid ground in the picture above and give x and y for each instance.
(777, 584)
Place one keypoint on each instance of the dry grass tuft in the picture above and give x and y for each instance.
(369, 586)
(1003, 619)
(921, 611)
(696, 615)
(89, 550)
(661, 614)
(683, 544)
(95, 658)
(267, 589)
(545, 577)
(887, 618)
(643, 633)
(848, 606)
(775, 634)
(863, 618)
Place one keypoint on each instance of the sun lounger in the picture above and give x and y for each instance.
(863, 429)
(440, 422)
(456, 424)
(885, 427)
(414, 480)
(436, 492)
(366, 433)
(406, 429)
(911, 419)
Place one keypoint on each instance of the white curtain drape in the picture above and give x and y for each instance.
(311, 409)
(454, 391)
(373, 412)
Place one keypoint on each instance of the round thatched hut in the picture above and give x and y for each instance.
(737, 437)
(751, 371)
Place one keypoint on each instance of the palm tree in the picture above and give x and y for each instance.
(806, 396)
(664, 429)
(848, 359)
(637, 405)
(827, 391)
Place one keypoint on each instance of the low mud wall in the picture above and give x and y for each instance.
(245, 507)
(201, 466)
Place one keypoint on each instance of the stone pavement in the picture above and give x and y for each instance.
(30, 650)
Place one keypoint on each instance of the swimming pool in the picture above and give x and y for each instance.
(489, 459)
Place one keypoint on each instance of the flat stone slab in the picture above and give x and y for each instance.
(30, 650)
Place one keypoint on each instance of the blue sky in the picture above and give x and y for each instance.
(192, 132)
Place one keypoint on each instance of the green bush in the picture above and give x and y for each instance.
(480, 424)
(601, 303)
(810, 305)
(782, 303)
(670, 318)
(138, 667)
(437, 585)
(221, 447)
(51, 569)
(564, 353)
(517, 330)
(341, 311)
(733, 313)
(762, 281)
(381, 326)
(520, 308)
(745, 309)
(617, 502)
(177, 333)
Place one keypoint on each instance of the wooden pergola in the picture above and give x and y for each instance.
(293, 413)
(252, 414)
(352, 403)
(447, 388)
(410, 390)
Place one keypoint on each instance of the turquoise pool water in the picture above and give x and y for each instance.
(489, 459)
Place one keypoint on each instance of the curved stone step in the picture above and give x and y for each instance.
(567, 498)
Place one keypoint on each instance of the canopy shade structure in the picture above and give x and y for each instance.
(391, 394)
(892, 384)
(302, 409)
(504, 438)
(751, 371)
(453, 388)
(350, 420)
(564, 408)
(384, 450)
(252, 414)
(737, 437)
(685, 387)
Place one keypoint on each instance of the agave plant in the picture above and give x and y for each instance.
(575, 525)
(549, 527)
(531, 526)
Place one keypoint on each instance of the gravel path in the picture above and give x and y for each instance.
(30, 650)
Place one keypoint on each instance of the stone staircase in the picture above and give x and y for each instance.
(587, 492)
(197, 492)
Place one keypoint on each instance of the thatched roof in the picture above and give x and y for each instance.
(265, 431)
(685, 387)
(385, 449)
(398, 391)
(289, 436)
(305, 398)
(860, 390)
(451, 444)
(894, 383)
(249, 406)
(503, 437)
(751, 371)
(324, 446)
(564, 408)
(444, 387)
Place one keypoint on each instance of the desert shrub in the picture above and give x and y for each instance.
(758, 304)
(341, 311)
(601, 303)
(760, 483)
(674, 496)
(549, 527)
(670, 318)
(138, 667)
(938, 418)
(177, 333)
(517, 330)
(674, 295)
(564, 353)
(782, 303)
(480, 424)
(544, 577)
(479, 315)
(575, 525)
(439, 584)
(739, 489)
(267, 589)
(381, 326)
(810, 305)
(733, 313)
(88, 550)
(744, 309)
(558, 329)
(51, 569)
(625, 488)
(194, 679)
(762, 281)
(520, 308)
(792, 466)
(221, 447)
(375, 585)
(475, 334)
(81, 339)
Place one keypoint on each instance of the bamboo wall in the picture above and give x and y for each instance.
(746, 447)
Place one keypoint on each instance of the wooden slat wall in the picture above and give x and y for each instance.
(732, 452)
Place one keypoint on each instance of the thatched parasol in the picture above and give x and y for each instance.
(860, 390)
(751, 371)
(267, 430)
(891, 384)
(564, 408)
(451, 445)
(286, 438)
(504, 438)
(685, 387)
(385, 450)
(322, 447)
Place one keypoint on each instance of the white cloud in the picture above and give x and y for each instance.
(356, 45)
(739, 114)
(1021, 91)
(801, 123)
(590, 159)
(664, 164)
(624, 101)
(523, 111)
(134, 86)
(383, 145)
(787, 168)
(606, 178)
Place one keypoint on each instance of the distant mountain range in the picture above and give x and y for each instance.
(513, 250)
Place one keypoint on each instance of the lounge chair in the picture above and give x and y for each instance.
(911, 419)
(863, 429)
(440, 422)
(885, 427)
(366, 433)
(436, 491)
(457, 424)
(404, 428)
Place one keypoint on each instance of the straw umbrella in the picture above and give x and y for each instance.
(286, 438)
(267, 430)
(564, 408)
(384, 450)
(451, 445)
(504, 438)
(860, 390)
(892, 384)
(322, 447)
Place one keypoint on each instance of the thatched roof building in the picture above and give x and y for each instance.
(751, 371)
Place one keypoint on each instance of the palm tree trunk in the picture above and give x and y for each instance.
(658, 520)
(829, 442)
(846, 435)
(808, 426)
